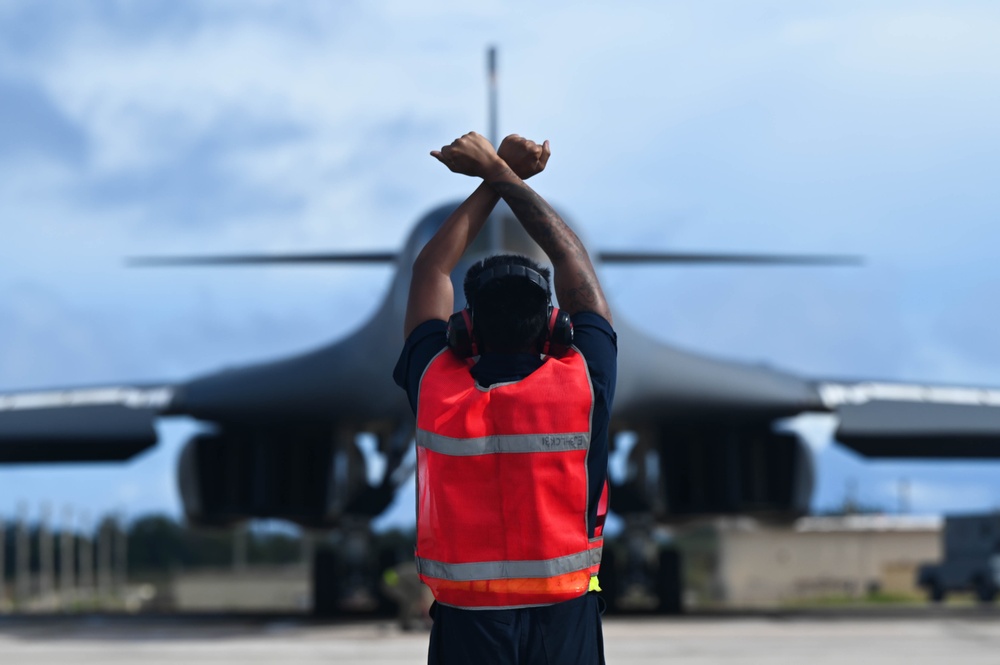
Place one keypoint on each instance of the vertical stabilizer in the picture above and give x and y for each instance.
(495, 230)
(491, 69)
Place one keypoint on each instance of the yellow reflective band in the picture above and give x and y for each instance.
(594, 584)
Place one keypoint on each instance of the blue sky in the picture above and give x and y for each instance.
(183, 127)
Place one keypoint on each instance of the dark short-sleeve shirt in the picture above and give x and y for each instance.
(592, 336)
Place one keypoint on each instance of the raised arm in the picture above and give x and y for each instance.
(576, 283)
(431, 292)
(432, 295)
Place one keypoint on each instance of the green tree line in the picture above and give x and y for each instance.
(158, 543)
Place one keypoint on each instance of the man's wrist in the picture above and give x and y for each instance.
(498, 170)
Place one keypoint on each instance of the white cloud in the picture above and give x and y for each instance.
(932, 42)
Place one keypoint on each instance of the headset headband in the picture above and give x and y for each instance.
(555, 339)
(512, 270)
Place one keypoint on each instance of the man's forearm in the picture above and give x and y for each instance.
(444, 250)
(431, 293)
(538, 218)
(575, 281)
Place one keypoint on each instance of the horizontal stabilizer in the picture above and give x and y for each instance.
(912, 429)
(692, 258)
(97, 433)
(266, 259)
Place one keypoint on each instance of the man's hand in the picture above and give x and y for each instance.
(523, 156)
(470, 155)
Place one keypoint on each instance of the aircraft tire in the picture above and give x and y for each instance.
(608, 578)
(386, 559)
(985, 592)
(669, 582)
(326, 578)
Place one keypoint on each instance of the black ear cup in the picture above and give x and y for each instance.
(556, 340)
(460, 337)
(559, 333)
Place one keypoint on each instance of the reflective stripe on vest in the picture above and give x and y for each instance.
(502, 491)
(512, 443)
(597, 542)
(493, 570)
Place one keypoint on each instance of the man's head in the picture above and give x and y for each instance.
(510, 313)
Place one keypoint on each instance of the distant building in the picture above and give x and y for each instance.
(253, 589)
(822, 557)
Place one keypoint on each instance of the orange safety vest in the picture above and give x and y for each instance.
(502, 491)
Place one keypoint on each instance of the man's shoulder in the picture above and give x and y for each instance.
(594, 337)
(424, 343)
(434, 328)
(593, 320)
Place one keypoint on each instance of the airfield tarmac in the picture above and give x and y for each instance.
(916, 637)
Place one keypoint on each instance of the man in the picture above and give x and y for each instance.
(512, 448)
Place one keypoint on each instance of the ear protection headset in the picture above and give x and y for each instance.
(555, 340)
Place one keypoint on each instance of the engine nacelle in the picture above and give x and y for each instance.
(313, 476)
(682, 472)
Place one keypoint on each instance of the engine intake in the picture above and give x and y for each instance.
(310, 476)
(700, 470)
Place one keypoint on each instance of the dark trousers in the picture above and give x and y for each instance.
(567, 633)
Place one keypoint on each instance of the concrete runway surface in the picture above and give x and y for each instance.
(859, 638)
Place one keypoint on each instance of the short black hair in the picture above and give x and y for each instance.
(509, 313)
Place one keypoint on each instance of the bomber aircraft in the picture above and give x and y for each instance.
(282, 443)
(282, 434)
